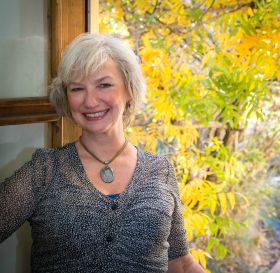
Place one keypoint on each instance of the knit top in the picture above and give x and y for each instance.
(77, 229)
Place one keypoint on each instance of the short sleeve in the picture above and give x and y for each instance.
(177, 239)
(18, 194)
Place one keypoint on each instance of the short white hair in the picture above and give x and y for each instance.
(87, 53)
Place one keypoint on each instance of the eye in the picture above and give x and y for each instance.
(105, 85)
(75, 89)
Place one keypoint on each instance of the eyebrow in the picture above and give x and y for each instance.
(102, 79)
(95, 81)
(75, 83)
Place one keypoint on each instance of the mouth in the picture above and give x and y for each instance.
(96, 115)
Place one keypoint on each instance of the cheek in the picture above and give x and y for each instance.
(73, 101)
(121, 99)
(112, 99)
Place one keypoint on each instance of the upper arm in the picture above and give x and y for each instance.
(178, 244)
(17, 195)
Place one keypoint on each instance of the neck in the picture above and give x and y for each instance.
(103, 145)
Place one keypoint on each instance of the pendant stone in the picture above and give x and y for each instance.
(107, 174)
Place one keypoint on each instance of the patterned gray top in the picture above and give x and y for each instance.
(77, 229)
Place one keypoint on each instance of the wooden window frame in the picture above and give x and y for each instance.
(67, 19)
(26, 110)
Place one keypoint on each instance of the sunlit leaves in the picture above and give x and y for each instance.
(199, 256)
(210, 67)
(218, 247)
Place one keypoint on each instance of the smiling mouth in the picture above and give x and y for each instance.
(96, 114)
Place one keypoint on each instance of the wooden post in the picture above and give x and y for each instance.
(67, 20)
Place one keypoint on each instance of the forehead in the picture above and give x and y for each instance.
(108, 69)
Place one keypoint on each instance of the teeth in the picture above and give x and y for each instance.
(95, 115)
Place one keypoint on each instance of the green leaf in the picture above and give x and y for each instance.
(221, 251)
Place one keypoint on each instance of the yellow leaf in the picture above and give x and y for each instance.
(212, 203)
(194, 253)
(231, 199)
(223, 202)
(193, 202)
(199, 256)
(201, 205)
(188, 230)
(205, 59)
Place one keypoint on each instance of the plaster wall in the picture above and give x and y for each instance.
(23, 73)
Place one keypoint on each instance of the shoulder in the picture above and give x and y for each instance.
(48, 159)
(46, 163)
(51, 153)
(154, 157)
(159, 161)
(160, 166)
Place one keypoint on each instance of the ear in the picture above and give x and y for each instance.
(128, 105)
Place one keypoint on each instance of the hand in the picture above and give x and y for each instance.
(184, 264)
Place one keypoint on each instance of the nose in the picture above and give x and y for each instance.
(90, 99)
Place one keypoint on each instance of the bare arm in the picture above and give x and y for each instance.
(184, 264)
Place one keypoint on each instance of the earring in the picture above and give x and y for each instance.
(128, 105)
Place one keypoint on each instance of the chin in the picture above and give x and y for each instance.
(97, 129)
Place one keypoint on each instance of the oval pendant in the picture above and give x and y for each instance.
(107, 174)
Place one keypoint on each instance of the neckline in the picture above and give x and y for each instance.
(113, 196)
(83, 175)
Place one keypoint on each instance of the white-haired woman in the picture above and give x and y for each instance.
(99, 204)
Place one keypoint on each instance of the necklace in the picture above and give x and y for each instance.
(106, 173)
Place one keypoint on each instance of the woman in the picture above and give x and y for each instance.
(99, 204)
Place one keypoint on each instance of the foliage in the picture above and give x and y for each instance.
(212, 70)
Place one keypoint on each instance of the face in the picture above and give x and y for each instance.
(97, 103)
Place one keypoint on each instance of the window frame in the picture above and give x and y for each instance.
(66, 20)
